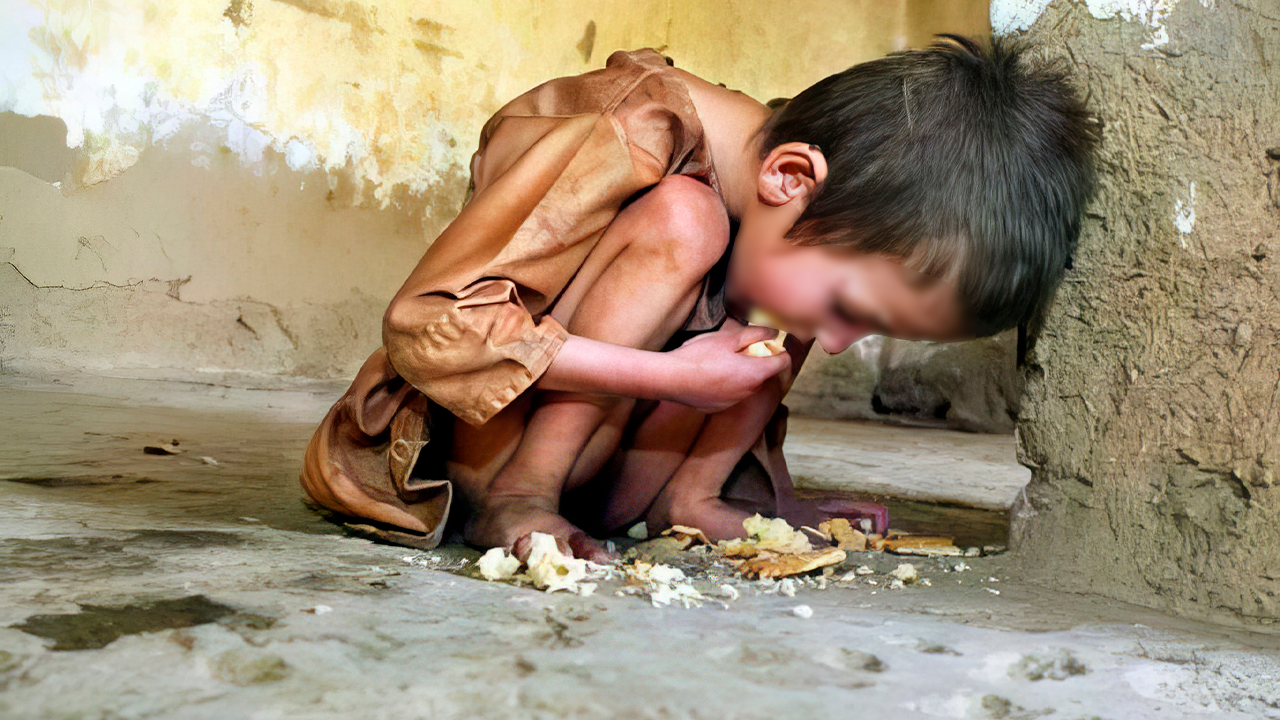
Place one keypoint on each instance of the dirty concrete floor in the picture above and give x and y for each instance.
(973, 469)
(140, 586)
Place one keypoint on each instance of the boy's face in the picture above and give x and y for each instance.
(838, 296)
(828, 292)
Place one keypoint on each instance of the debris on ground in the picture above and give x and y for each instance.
(434, 561)
(767, 564)
(169, 448)
(841, 532)
(639, 531)
(802, 611)
(662, 583)
(774, 549)
(766, 534)
(927, 545)
(497, 564)
(776, 558)
(686, 536)
(904, 574)
(552, 570)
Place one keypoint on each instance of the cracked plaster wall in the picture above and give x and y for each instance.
(1152, 410)
(241, 185)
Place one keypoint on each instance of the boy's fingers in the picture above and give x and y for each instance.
(755, 334)
(767, 367)
(521, 547)
(781, 361)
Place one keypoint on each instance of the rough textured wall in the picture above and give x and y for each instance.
(250, 180)
(1152, 416)
(972, 386)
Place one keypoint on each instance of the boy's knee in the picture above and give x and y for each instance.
(685, 221)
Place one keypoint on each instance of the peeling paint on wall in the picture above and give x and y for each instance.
(1151, 13)
(325, 83)
(393, 90)
(1009, 16)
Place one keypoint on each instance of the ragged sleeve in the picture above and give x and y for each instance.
(469, 328)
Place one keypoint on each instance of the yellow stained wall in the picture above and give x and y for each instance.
(252, 179)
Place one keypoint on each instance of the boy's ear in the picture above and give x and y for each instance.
(791, 171)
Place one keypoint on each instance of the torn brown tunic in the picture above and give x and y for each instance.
(553, 169)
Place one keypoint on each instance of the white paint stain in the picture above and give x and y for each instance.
(1014, 15)
(1184, 215)
(1151, 13)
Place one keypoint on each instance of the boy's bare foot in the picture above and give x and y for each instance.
(509, 522)
(713, 516)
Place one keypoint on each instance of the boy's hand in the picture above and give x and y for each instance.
(713, 374)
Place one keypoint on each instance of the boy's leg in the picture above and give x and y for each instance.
(636, 289)
(673, 468)
(692, 496)
(655, 444)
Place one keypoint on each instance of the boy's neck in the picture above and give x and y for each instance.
(730, 122)
(736, 156)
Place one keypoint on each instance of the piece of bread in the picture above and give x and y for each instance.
(766, 348)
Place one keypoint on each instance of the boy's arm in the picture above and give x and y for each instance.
(708, 374)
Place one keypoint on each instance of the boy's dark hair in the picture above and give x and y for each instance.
(967, 163)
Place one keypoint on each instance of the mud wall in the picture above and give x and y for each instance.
(973, 386)
(1152, 418)
(240, 185)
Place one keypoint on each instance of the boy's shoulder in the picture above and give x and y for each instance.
(595, 90)
(644, 94)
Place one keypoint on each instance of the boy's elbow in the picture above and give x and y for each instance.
(408, 335)
(397, 322)
(425, 337)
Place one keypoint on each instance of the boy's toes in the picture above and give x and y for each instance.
(586, 547)
(575, 543)
(512, 525)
